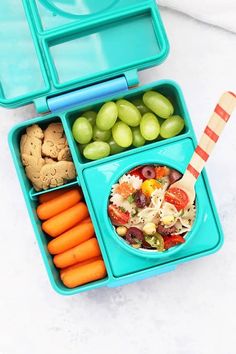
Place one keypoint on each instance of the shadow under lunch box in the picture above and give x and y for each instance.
(68, 57)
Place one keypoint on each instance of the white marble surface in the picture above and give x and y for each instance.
(189, 311)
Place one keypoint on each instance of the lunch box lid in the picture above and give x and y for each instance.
(52, 47)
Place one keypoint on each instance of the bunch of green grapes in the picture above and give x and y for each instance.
(123, 124)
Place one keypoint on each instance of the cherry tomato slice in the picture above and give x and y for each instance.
(171, 241)
(177, 197)
(137, 173)
(117, 216)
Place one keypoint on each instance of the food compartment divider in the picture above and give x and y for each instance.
(34, 195)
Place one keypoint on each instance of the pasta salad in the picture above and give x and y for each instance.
(145, 213)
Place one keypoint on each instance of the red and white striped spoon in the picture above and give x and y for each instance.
(216, 124)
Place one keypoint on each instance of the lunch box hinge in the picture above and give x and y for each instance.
(87, 94)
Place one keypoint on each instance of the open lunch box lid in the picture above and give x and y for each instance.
(49, 47)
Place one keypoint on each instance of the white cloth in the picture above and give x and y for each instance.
(220, 13)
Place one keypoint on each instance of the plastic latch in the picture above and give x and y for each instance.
(86, 95)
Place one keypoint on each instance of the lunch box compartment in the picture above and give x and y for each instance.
(70, 56)
(14, 141)
(31, 198)
(167, 88)
(204, 237)
(52, 271)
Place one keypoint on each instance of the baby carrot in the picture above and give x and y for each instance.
(84, 274)
(86, 221)
(65, 220)
(71, 238)
(86, 250)
(43, 198)
(75, 266)
(55, 206)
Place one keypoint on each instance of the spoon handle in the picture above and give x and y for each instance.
(214, 128)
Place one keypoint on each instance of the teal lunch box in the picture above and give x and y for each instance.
(71, 56)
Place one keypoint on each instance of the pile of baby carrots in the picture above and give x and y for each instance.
(74, 246)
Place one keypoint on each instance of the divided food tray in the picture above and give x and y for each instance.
(96, 179)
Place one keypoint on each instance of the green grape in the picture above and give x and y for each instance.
(138, 102)
(158, 103)
(96, 150)
(138, 139)
(101, 135)
(128, 113)
(122, 134)
(149, 126)
(171, 127)
(115, 149)
(107, 116)
(82, 130)
(91, 116)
